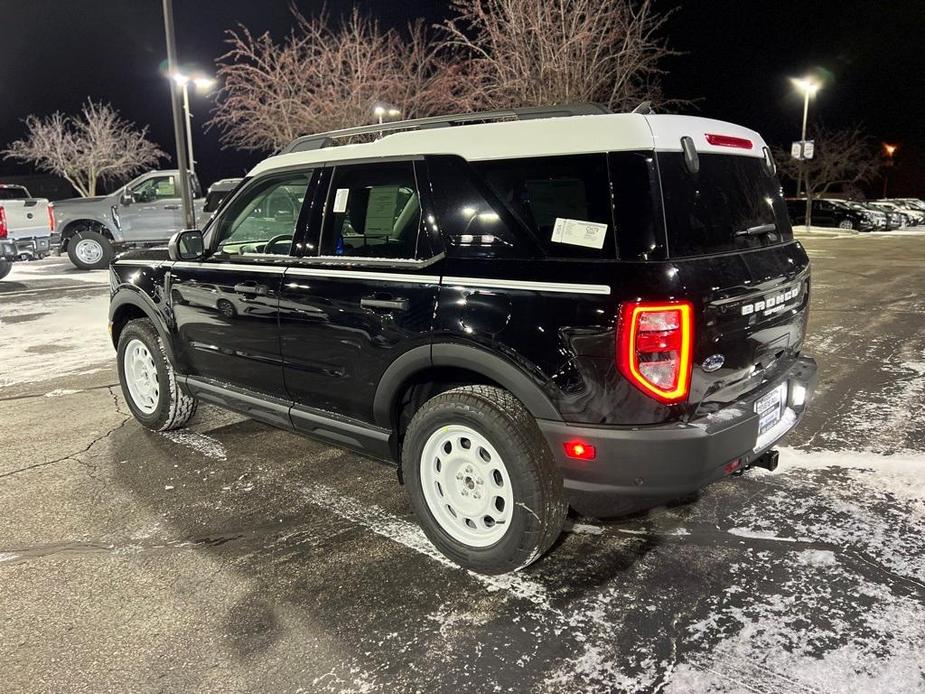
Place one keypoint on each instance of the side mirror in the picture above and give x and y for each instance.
(127, 198)
(186, 245)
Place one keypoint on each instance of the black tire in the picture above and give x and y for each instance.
(90, 237)
(5, 267)
(539, 502)
(226, 308)
(174, 407)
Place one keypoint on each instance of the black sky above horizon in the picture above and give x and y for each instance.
(736, 58)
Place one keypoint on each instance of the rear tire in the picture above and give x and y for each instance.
(482, 481)
(149, 383)
(5, 267)
(89, 250)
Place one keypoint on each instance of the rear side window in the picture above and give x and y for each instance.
(372, 211)
(13, 193)
(565, 201)
(731, 203)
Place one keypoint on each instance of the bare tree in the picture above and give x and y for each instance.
(840, 158)
(93, 147)
(529, 53)
(321, 78)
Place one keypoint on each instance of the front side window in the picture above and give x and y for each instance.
(372, 211)
(262, 219)
(156, 188)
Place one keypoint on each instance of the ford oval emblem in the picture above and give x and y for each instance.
(713, 362)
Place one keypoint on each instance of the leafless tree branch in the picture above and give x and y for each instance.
(95, 146)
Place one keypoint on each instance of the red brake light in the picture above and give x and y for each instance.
(580, 450)
(654, 347)
(729, 141)
(51, 217)
(3, 229)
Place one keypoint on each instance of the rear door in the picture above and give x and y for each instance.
(729, 237)
(364, 293)
(226, 307)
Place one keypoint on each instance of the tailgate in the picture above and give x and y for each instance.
(751, 322)
(26, 218)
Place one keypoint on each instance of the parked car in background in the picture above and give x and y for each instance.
(831, 213)
(914, 203)
(145, 212)
(217, 192)
(883, 220)
(914, 217)
(26, 226)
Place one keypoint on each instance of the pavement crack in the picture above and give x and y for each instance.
(70, 456)
(32, 396)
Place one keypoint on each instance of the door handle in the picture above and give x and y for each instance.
(390, 304)
(254, 289)
(171, 207)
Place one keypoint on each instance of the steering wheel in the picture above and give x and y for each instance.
(268, 246)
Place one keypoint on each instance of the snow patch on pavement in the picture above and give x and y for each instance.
(198, 443)
(61, 392)
(68, 338)
(411, 536)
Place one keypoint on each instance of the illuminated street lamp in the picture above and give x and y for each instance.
(202, 84)
(809, 87)
(890, 150)
(381, 112)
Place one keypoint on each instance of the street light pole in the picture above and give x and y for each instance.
(189, 127)
(890, 151)
(803, 138)
(186, 194)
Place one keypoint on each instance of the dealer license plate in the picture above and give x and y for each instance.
(769, 408)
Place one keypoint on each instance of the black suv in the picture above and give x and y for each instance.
(522, 312)
(831, 213)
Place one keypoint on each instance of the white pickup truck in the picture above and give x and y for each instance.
(26, 226)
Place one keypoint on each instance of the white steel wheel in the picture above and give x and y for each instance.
(141, 376)
(466, 486)
(89, 251)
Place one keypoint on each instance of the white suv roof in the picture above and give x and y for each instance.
(536, 138)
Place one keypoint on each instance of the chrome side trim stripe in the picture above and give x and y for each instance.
(142, 263)
(238, 267)
(409, 278)
(558, 287)
(363, 275)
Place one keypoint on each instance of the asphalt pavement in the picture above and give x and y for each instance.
(233, 557)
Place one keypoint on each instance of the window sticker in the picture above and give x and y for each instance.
(340, 200)
(579, 232)
(380, 211)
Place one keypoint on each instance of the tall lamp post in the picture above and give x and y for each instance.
(203, 85)
(809, 87)
(890, 150)
(186, 192)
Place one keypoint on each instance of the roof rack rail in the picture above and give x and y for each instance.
(321, 140)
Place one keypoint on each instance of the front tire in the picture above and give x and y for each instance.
(846, 224)
(482, 481)
(89, 250)
(5, 267)
(149, 383)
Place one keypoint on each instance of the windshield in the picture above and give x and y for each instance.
(731, 203)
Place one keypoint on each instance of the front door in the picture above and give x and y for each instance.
(364, 296)
(155, 213)
(226, 306)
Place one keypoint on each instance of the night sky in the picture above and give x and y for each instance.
(738, 56)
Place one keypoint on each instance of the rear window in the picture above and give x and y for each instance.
(725, 206)
(13, 193)
(564, 201)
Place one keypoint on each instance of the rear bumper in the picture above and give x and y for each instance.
(34, 246)
(671, 460)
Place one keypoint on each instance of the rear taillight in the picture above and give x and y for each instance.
(51, 217)
(654, 347)
(728, 141)
(3, 229)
